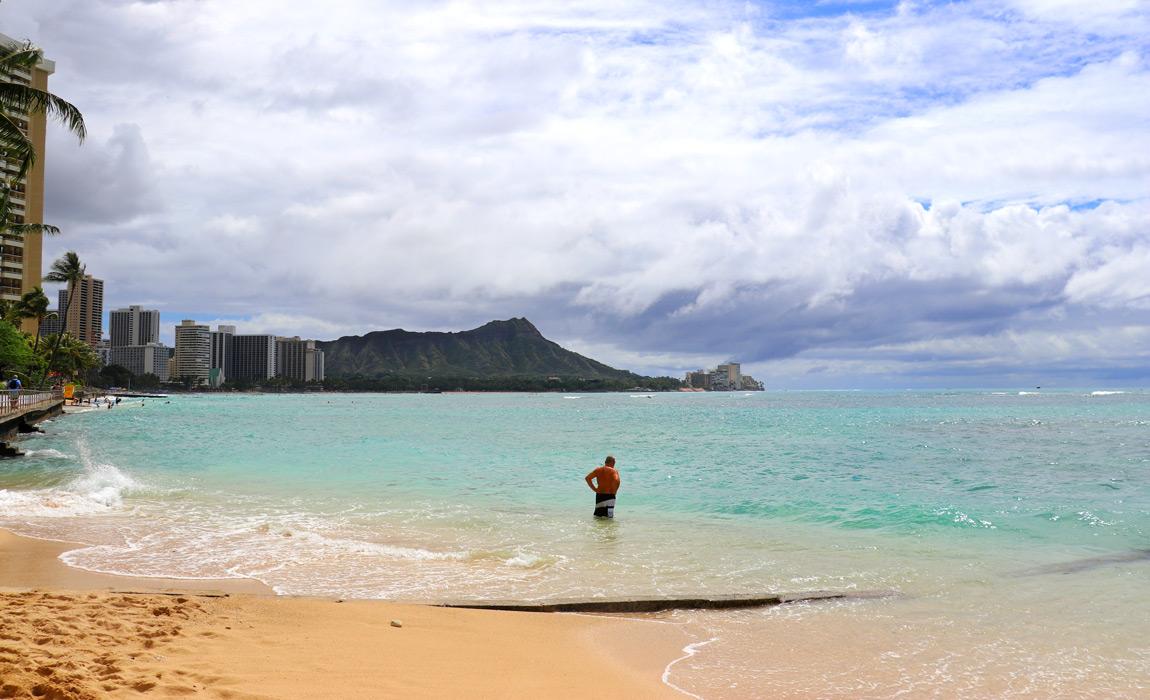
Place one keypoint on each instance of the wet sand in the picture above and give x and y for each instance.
(66, 633)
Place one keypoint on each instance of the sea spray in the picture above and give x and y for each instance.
(97, 488)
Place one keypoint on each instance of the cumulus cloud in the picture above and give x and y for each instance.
(834, 187)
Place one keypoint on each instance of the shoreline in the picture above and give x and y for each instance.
(82, 634)
(31, 562)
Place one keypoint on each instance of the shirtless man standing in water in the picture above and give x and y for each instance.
(604, 481)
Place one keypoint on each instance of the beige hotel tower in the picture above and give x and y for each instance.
(22, 263)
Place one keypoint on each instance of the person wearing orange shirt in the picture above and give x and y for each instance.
(604, 481)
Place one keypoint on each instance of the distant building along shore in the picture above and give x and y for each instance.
(135, 342)
(727, 377)
(207, 357)
(201, 356)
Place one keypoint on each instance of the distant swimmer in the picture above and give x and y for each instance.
(604, 481)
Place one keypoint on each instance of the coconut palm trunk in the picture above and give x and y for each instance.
(69, 269)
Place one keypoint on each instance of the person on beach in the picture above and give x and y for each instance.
(14, 386)
(604, 481)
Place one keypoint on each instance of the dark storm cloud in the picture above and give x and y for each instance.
(102, 183)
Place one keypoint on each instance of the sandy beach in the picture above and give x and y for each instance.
(70, 634)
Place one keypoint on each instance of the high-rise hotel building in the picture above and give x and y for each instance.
(21, 256)
(134, 326)
(221, 354)
(299, 360)
(193, 352)
(82, 310)
(253, 358)
(135, 343)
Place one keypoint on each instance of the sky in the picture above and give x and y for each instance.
(853, 194)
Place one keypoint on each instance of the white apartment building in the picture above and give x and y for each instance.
(151, 358)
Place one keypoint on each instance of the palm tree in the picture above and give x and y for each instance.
(18, 100)
(34, 304)
(69, 269)
(16, 97)
(75, 358)
(9, 311)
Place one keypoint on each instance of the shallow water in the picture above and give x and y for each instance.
(967, 504)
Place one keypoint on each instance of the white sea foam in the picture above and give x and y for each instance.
(524, 560)
(1106, 393)
(1028, 393)
(386, 551)
(572, 397)
(528, 560)
(48, 453)
(688, 651)
(97, 490)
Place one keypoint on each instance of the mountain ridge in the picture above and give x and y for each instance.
(508, 348)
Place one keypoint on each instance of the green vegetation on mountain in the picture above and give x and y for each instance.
(500, 354)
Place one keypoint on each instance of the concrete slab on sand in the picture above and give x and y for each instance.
(638, 605)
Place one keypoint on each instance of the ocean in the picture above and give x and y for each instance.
(1011, 527)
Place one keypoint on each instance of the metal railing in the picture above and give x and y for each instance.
(26, 399)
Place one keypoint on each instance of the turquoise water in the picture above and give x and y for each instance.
(964, 503)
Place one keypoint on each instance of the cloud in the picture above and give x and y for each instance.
(775, 183)
(103, 183)
(265, 324)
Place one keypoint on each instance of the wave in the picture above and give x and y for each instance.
(517, 559)
(387, 551)
(1029, 393)
(98, 489)
(1106, 393)
(48, 452)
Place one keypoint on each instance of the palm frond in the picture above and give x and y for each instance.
(14, 96)
(23, 229)
(23, 56)
(16, 146)
(66, 268)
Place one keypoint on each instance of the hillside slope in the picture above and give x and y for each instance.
(497, 349)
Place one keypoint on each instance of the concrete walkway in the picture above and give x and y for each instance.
(29, 408)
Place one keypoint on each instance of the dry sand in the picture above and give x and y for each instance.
(70, 634)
